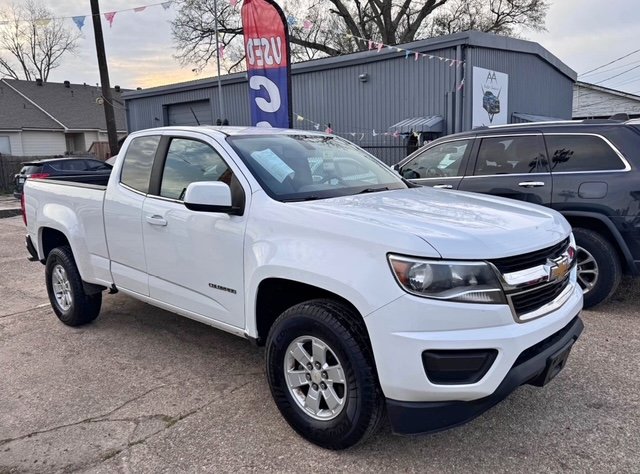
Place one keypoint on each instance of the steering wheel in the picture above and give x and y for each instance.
(434, 172)
(328, 179)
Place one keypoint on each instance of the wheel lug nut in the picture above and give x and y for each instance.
(314, 386)
(308, 376)
(324, 375)
(318, 365)
(323, 385)
(309, 366)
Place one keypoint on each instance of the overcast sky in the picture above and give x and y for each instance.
(583, 33)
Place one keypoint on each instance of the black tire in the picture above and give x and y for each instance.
(83, 308)
(607, 265)
(344, 333)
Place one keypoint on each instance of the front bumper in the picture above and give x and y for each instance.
(531, 366)
(404, 329)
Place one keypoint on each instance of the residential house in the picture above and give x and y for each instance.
(45, 118)
(598, 102)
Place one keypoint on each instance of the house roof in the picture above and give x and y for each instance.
(27, 105)
(17, 113)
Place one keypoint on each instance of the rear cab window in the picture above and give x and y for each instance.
(138, 162)
(576, 153)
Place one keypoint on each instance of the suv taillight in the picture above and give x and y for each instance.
(38, 175)
(23, 208)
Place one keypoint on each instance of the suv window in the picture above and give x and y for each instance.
(581, 153)
(68, 165)
(189, 161)
(443, 160)
(30, 169)
(96, 165)
(136, 168)
(511, 155)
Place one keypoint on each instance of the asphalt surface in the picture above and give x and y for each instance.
(143, 390)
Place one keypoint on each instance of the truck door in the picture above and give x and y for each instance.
(123, 214)
(195, 259)
(512, 166)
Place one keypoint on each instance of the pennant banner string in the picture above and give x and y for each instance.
(79, 20)
(293, 21)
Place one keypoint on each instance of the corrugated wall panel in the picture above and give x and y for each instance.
(535, 87)
(396, 89)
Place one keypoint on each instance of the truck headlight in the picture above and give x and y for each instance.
(470, 282)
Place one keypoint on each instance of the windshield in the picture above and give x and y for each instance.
(307, 167)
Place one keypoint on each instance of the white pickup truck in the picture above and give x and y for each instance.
(369, 293)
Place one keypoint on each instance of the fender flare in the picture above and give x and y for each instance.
(619, 240)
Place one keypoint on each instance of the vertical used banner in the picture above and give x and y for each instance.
(266, 43)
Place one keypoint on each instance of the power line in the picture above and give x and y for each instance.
(612, 69)
(609, 63)
(617, 75)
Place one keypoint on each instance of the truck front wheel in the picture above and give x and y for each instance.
(66, 292)
(322, 375)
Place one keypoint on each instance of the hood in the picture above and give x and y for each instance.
(459, 225)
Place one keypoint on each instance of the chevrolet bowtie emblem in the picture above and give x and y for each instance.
(558, 268)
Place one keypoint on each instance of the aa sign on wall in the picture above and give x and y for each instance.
(490, 97)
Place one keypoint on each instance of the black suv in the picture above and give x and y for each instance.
(93, 171)
(587, 170)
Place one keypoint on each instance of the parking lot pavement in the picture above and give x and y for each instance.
(143, 390)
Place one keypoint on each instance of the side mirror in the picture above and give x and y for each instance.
(210, 196)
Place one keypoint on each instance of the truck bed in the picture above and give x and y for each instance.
(74, 209)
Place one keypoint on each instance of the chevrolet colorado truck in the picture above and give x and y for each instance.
(371, 295)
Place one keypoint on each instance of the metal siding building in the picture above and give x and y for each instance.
(360, 93)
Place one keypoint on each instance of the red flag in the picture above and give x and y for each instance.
(266, 44)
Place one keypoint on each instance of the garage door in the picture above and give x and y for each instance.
(190, 113)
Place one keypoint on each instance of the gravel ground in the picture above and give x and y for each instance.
(143, 390)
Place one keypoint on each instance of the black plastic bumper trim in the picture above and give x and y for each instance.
(413, 418)
(32, 250)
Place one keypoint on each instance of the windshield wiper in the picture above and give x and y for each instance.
(301, 199)
(373, 190)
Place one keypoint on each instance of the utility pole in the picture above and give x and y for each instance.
(215, 24)
(109, 115)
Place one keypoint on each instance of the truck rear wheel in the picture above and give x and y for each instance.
(66, 292)
(322, 375)
(599, 268)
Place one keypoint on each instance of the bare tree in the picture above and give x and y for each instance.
(505, 17)
(32, 43)
(345, 26)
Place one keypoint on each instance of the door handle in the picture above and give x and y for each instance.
(531, 184)
(443, 186)
(156, 220)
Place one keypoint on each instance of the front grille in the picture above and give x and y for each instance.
(531, 259)
(533, 299)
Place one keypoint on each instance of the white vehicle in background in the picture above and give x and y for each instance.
(369, 293)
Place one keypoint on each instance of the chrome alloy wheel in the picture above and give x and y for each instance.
(315, 378)
(61, 287)
(588, 271)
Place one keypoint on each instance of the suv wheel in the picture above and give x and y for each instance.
(599, 268)
(322, 375)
